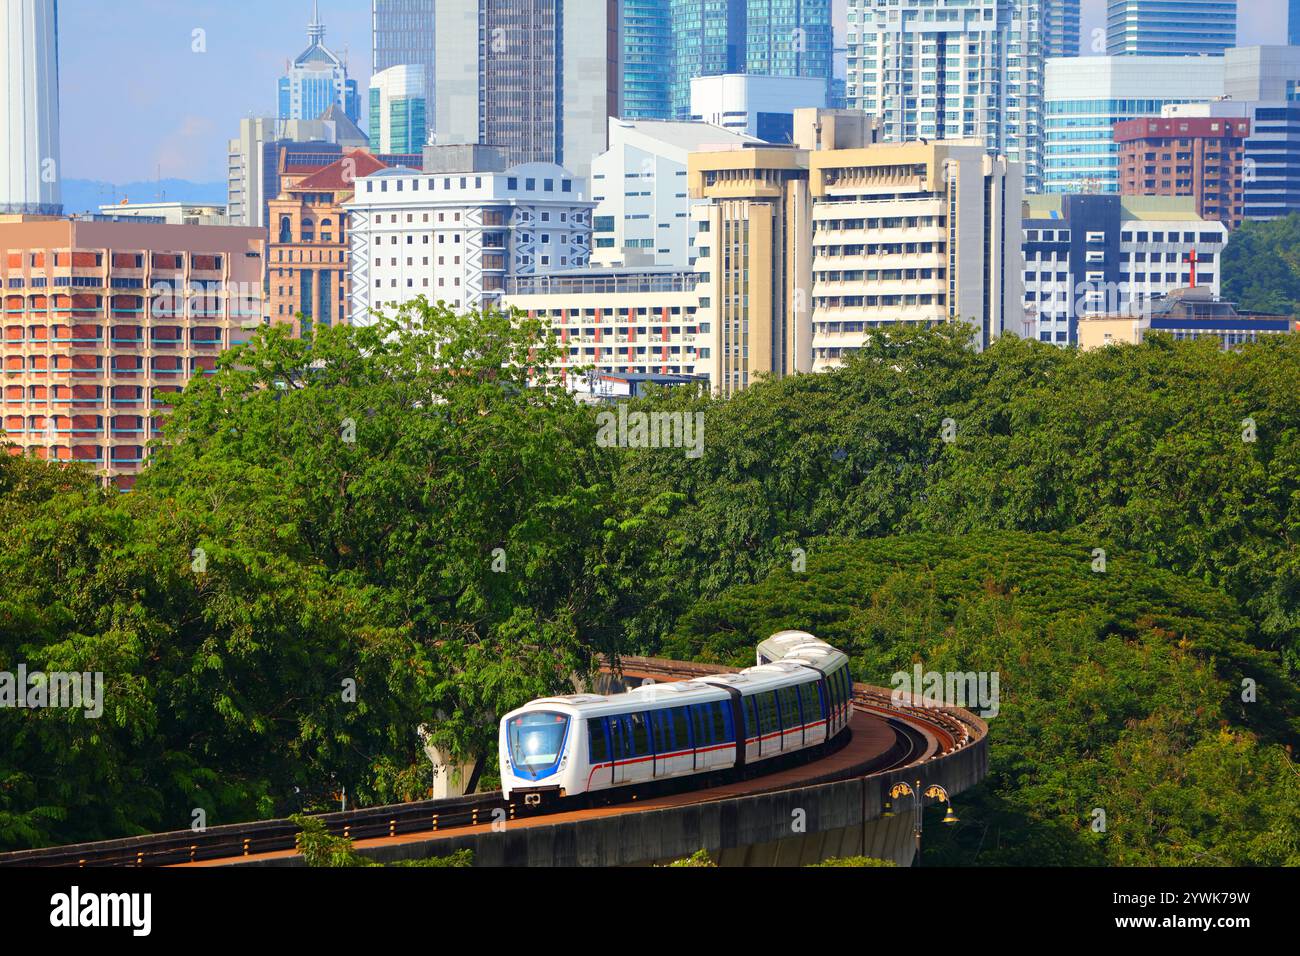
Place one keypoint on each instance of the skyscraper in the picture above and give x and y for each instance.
(931, 68)
(1061, 26)
(397, 110)
(790, 38)
(1293, 23)
(1022, 118)
(317, 80)
(538, 78)
(402, 35)
(647, 59)
(1170, 27)
(709, 39)
(29, 108)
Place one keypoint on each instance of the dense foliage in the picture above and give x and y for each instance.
(1178, 452)
(1120, 691)
(341, 540)
(1261, 266)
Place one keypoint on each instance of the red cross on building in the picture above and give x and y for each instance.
(1191, 258)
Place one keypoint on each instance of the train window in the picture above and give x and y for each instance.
(728, 730)
(754, 727)
(536, 741)
(597, 741)
(703, 735)
(681, 727)
(767, 712)
(665, 739)
(809, 703)
(721, 715)
(789, 698)
(640, 734)
(618, 734)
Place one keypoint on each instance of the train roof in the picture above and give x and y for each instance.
(793, 658)
(645, 697)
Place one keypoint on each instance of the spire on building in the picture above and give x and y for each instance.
(315, 29)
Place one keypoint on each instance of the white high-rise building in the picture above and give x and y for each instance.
(30, 170)
(953, 70)
(460, 228)
(639, 186)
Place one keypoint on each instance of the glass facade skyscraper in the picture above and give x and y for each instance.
(708, 40)
(397, 110)
(1086, 96)
(647, 59)
(402, 35)
(790, 38)
(1170, 27)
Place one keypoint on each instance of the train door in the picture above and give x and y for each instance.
(621, 738)
(642, 765)
(754, 725)
(661, 733)
(599, 754)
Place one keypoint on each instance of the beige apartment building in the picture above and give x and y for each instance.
(103, 320)
(752, 241)
(805, 251)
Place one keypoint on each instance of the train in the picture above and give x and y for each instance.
(797, 697)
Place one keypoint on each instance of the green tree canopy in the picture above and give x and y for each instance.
(1119, 691)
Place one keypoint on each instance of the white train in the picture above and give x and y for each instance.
(799, 696)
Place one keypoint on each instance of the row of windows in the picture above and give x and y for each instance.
(628, 736)
(698, 726)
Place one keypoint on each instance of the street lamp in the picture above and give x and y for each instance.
(933, 791)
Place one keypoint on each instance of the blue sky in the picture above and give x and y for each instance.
(138, 101)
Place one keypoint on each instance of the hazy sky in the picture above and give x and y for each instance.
(138, 100)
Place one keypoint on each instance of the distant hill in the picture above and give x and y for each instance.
(87, 195)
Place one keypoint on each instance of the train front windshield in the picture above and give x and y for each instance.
(536, 741)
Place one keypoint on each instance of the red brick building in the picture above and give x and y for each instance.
(1202, 157)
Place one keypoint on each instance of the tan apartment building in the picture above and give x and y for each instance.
(804, 252)
(102, 320)
(310, 248)
(912, 233)
(752, 244)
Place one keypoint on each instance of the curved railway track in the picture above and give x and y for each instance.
(921, 734)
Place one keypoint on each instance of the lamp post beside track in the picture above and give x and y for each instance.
(933, 791)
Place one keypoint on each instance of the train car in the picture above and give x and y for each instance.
(585, 743)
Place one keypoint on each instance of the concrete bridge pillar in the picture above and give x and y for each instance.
(451, 777)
